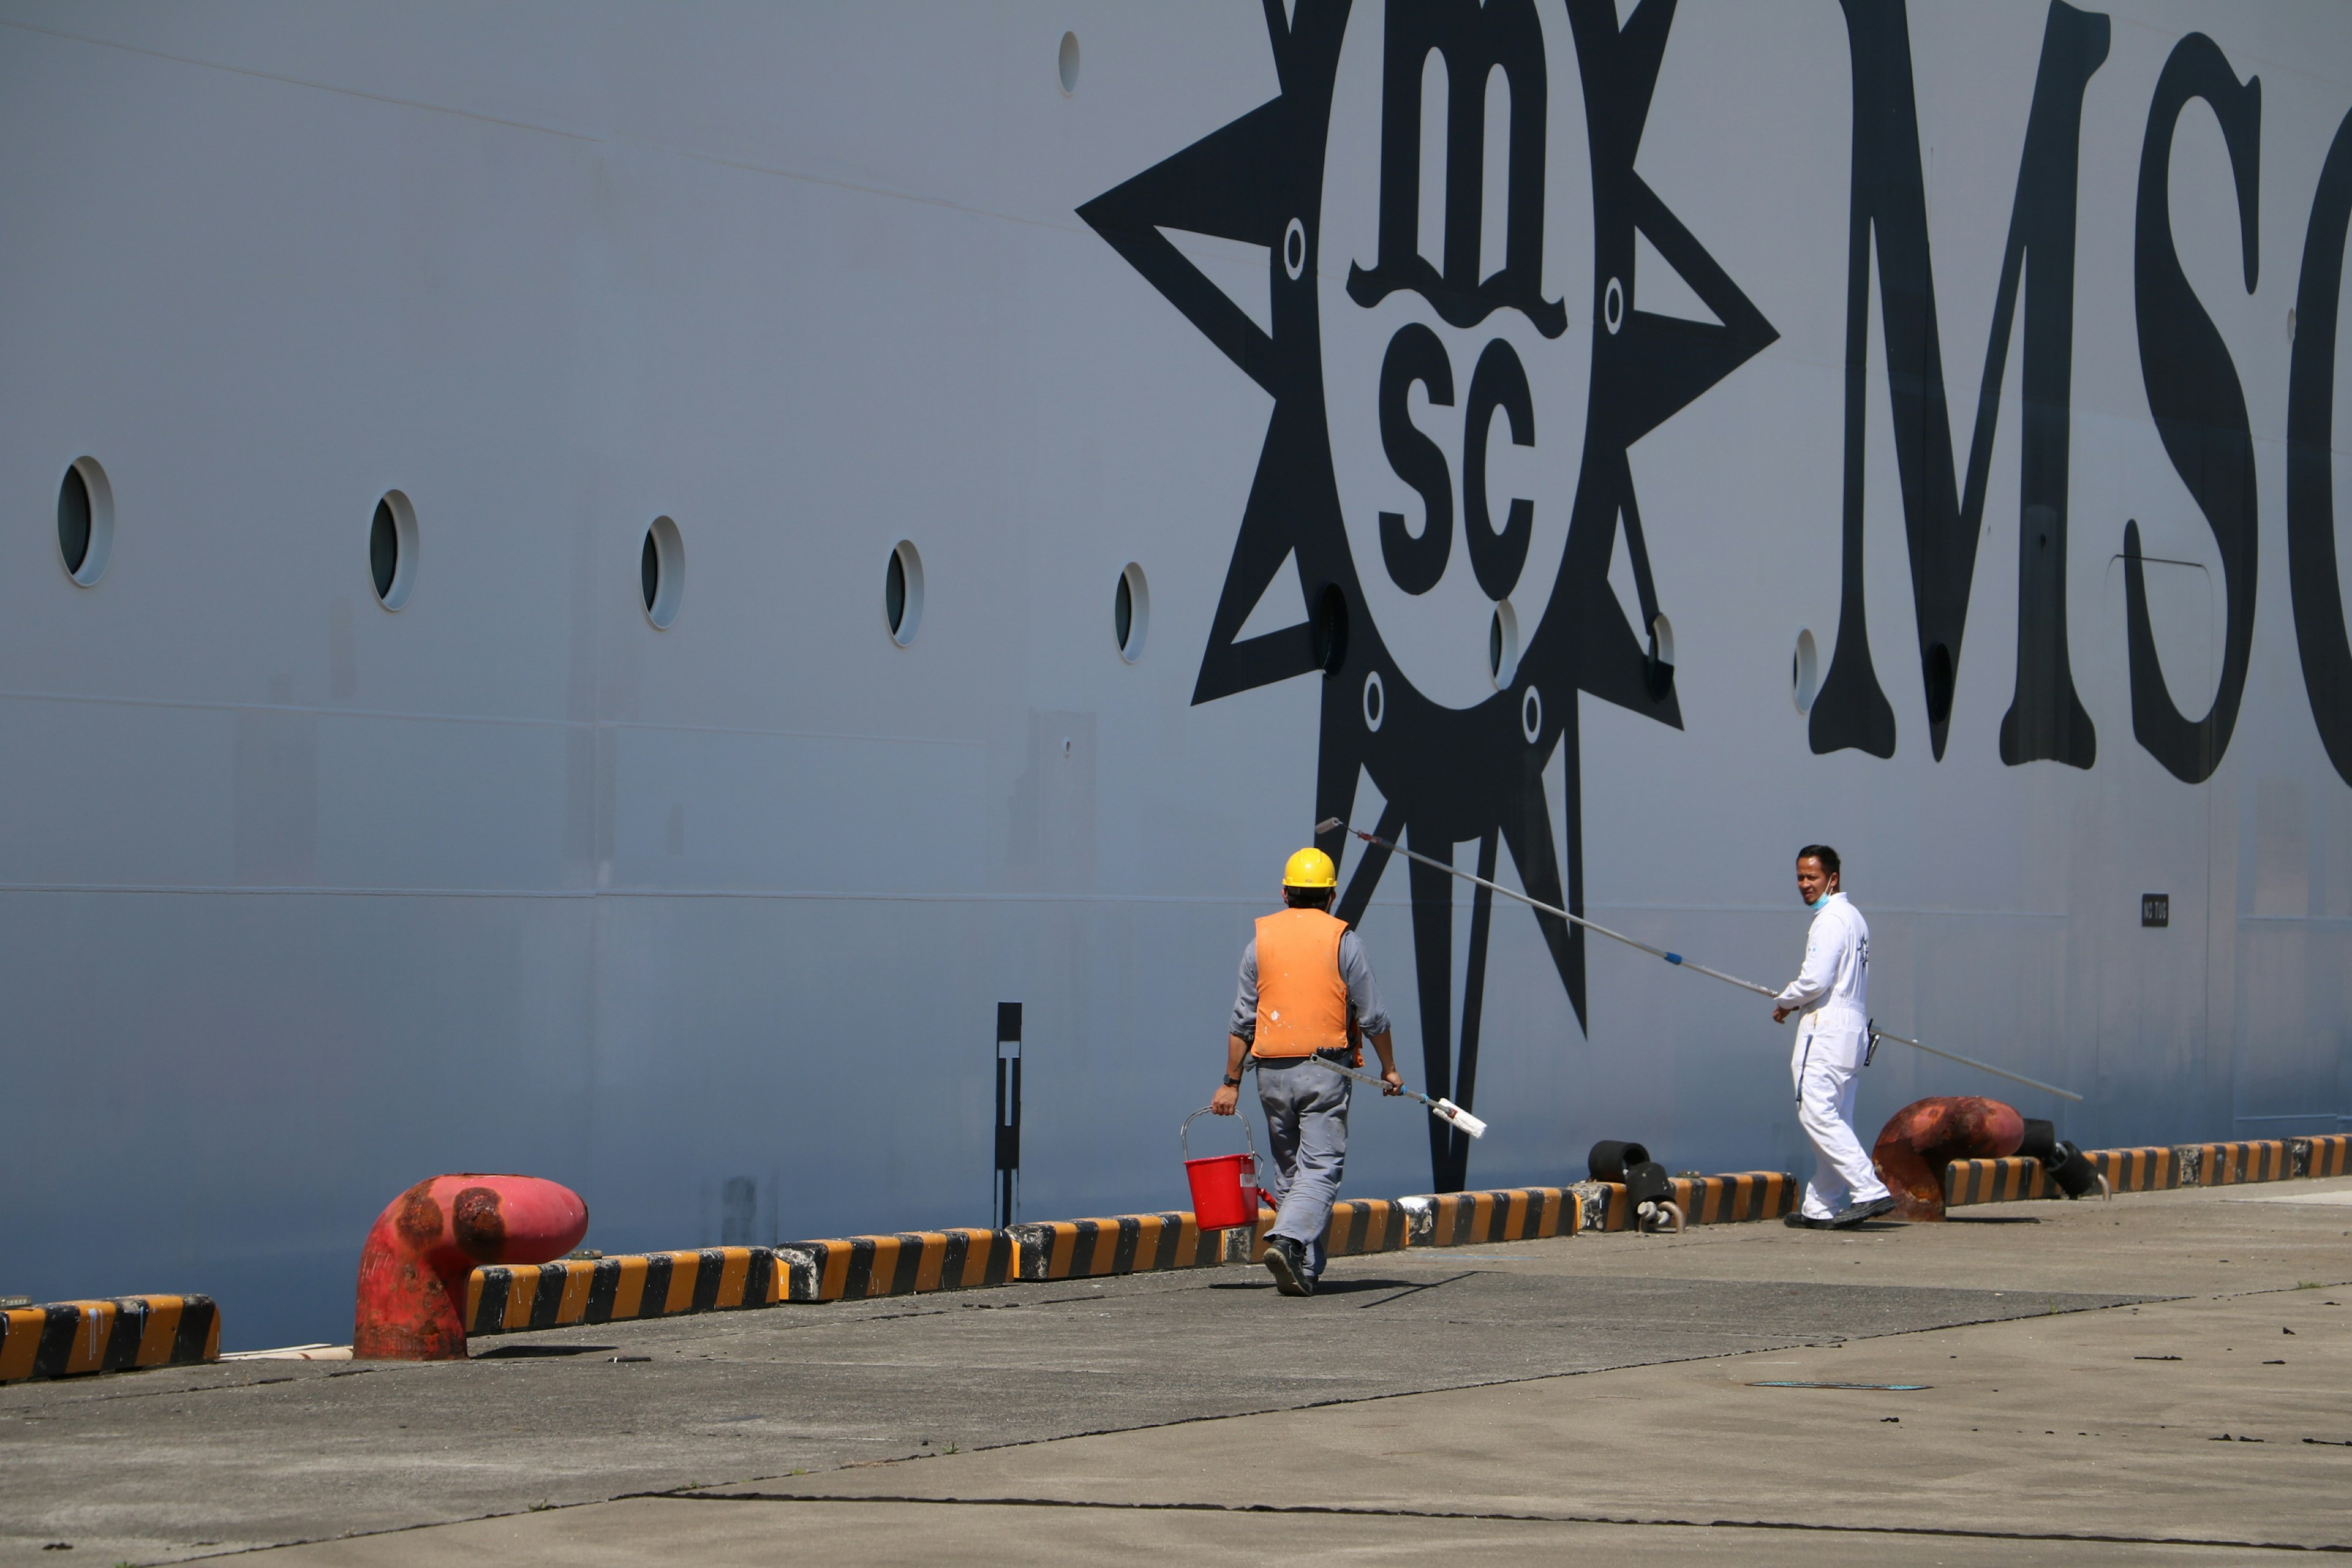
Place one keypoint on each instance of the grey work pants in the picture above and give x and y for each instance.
(1306, 1104)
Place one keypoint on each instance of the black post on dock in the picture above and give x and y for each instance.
(1008, 1113)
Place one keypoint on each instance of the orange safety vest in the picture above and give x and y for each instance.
(1302, 1000)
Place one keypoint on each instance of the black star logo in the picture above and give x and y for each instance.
(1448, 774)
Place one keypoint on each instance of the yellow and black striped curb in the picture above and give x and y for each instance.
(506, 1298)
(1731, 1199)
(664, 1284)
(2226, 1165)
(1361, 1226)
(68, 1339)
(1507, 1214)
(905, 1263)
(2005, 1180)
(1130, 1243)
(2154, 1170)
(2149, 1169)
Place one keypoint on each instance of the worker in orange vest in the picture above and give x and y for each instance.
(1306, 995)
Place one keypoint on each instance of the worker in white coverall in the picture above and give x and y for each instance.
(1306, 994)
(1832, 993)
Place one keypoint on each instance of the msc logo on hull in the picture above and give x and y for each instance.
(1458, 359)
(1446, 195)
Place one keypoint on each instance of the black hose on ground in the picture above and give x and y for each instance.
(1609, 1160)
(2069, 1170)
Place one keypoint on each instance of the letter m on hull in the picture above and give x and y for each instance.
(1942, 519)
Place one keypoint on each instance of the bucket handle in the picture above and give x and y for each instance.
(1183, 1140)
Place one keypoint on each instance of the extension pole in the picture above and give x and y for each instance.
(1442, 1108)
(1676, 958)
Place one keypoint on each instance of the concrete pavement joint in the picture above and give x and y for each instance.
(1495, 1516)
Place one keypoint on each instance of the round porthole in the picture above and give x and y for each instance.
(1936, 673)
(85, 521)
(1328, 629)
(1131, 612)
(391, 550)
(1658, 661)
(1612, 306)
(1805, 672)
(902, 594)
(661, 572)
(1531, 715)
(1503, 644)
(1068, 64)
(1293, 250)
(1376, 699)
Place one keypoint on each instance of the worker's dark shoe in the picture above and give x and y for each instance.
(1853, 1215)
(1805, 1222)
(1287, 1261)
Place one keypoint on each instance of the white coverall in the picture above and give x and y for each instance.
(1831, 995)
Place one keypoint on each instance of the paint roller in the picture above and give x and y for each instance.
(1445, 1110)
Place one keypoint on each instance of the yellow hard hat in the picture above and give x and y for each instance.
(1309, 868)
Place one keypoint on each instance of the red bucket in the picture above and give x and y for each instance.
(1224, 1186)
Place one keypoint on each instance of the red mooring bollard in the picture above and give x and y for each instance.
(1926, 1135)
(412, 1270)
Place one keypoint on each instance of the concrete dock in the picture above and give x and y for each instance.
(2164, 1377)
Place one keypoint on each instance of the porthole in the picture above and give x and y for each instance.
(902, 594)
(1328, 629)
(1131, 612)
(1658, 661)
(1376, 699)
(1612, 306)
(1531, 715)
(1068, 64)
(1293, 250)
(1805, 672)
(1936, 672)
(391, 550)
(661, 572)
(1503, 644)
(85, 521)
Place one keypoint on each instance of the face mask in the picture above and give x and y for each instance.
(1817, 903)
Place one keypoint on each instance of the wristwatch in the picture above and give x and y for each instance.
(1233, 1083)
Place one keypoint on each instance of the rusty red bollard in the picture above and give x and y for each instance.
(412, 1270)
(1926, 1135)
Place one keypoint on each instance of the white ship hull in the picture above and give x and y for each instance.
(304, 899)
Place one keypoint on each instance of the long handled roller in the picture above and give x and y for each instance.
(1676, 958)
(1445, 1110)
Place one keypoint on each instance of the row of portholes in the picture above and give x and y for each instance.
(86, 540)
